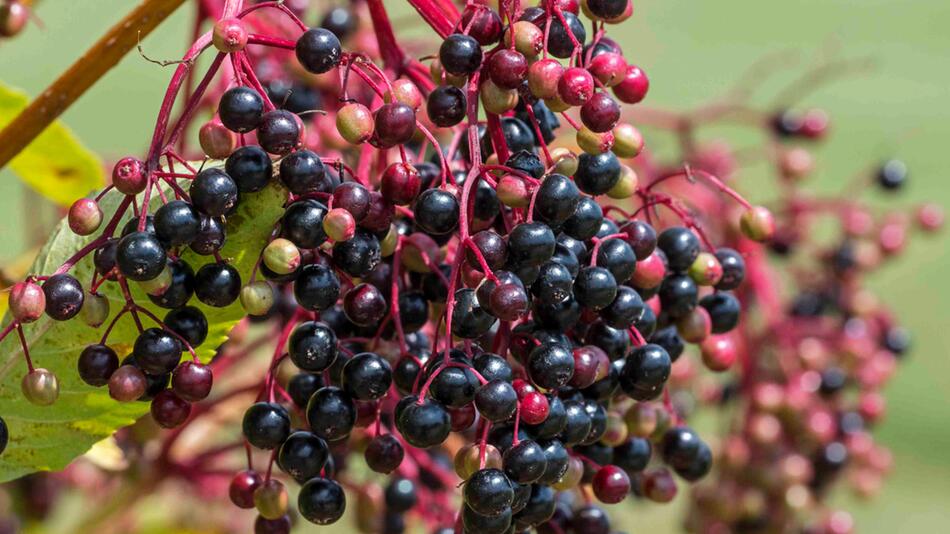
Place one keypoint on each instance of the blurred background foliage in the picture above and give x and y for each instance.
(692, 50)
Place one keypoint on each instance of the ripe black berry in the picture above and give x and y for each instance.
(437, 211)
(266, 425)
(446, 106)
(597, 174)
(279, 132)
(156, 351)
(96, 364)
(302, 172)
(140, 256)
(488, 492)
(176, 223)
(460, 54)
(318, 50)
(321, 501)
(241, 109)
(550, 365)
(64, 296)
(681, 247)
(250, 167)
(217, 284)
(316, 287)
(213, 192)
(367, 376)
(331, 413)
(302, 455)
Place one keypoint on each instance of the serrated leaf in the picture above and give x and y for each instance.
(55, 164)
(48, 438)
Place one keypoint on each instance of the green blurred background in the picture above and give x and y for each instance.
(692, 50)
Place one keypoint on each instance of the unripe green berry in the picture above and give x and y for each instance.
(158, 285)
(355, 123)
(387, 246)
(706, 269)
(339, 225)
(257, 298)
(40, 387)
(757, 223)
(95, 309)
(626, 186)
(593, 142)
(27, 301)
(572, 477)
(529, 39)
(85, 216)
(271, 499)
(628, 141)
(695, 326)
(497, 100)
(281, 256)
(565, 161)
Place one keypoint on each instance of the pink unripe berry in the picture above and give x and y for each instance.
(796, 163)
(534, 408)
(127, 384)
(930, 217)
(814, 124)
(757, 223)
(719, 352)
(216, 141)
(628, 141)
(609, 68)
(513, 192)
(355, 123)
(659, 485)
(543, 77)
(649, 272)
(27, 301)
(576, 86)
(339, 225)
(407, 93)
(13, 18)
(529, 39)
(634, 86)
(128, 176)
(241, 489)
(84, 216)
(229, 35)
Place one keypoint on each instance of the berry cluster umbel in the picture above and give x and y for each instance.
(464, 299)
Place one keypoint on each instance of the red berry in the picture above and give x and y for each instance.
(192, 380)
(169, 410)
(611, 484)
(229, 35)
(576, 86)
(719, 352)
(534, 408)
(400, 183)
(241, 489)
(609, 68)
(27, 301)
(634, 86)
(128, 176)
(543, 78)
(601, 113)
(84, 216)
(507, 68)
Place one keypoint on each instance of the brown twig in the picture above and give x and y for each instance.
(82, 74)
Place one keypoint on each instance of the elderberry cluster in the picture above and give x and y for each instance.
(474, 281)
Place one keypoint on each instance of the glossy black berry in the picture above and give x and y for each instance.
(618, 257)
(241, 109)
(339, 20)
(531, 244)
(217, 284)
(437, 211)
(279, 132)
(302, 455)
(266, 425)
(595, 287)
(156, 351)
(550, 365)
(312, 346)
(678, 294)
(681, 247)
(250, 167)
(585, 221)
(302, 386)
(625, 309)
(367, 376)
(316, 287)
(669, 339)
(460, 54)
(633, 455)
(556, 458)
(724, 309)
(469, 319)
(214, 193)
(210, 237)
(557, 199)
(733, 269)
(302, 172)
(331, 413)
(302, 223)
(496, 400)
(423, 425)
(177, 223)
(359, 255)
(318, 50)
(597, 173)
(140, 256)
(446, 106)
(645, 372)
(96, 364)
(488, 492)
(321, 501)
(473, 521)
(64, 296)
(554, 284)
(492, 367)
(559, 43)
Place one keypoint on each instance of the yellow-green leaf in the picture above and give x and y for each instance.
(55, 164)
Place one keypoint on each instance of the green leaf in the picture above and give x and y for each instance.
(55, 164)
(48, 438)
